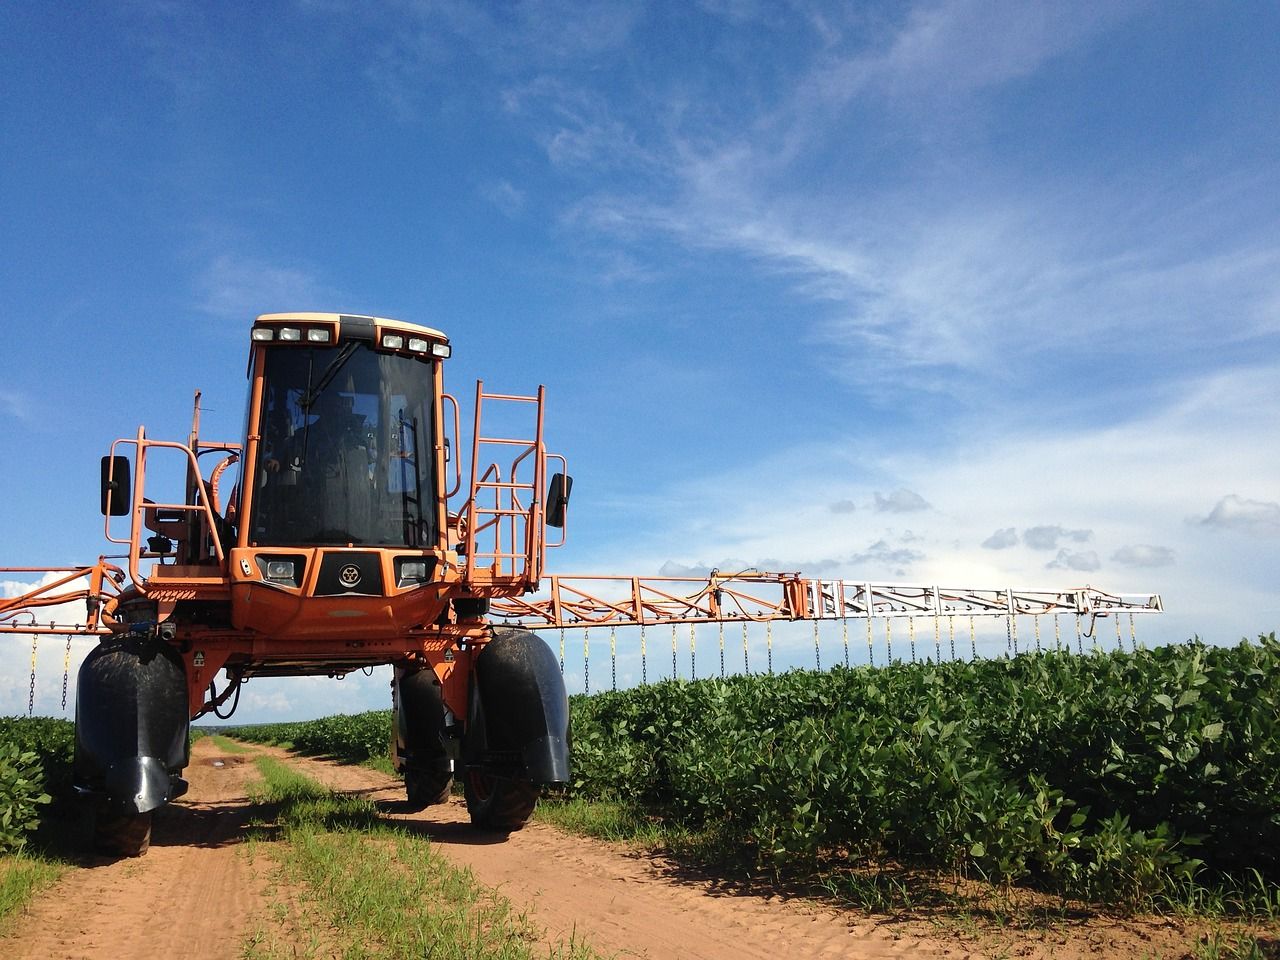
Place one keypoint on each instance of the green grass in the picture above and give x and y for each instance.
(229, 746)
(380, 890)
(1218, 944)
(603, 819)
(22, 876)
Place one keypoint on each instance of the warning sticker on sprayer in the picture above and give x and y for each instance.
(198, 659)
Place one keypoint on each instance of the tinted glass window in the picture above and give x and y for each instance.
(346, 449)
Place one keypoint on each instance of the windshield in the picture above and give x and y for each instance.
(346, 453)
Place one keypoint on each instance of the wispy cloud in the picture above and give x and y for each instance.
(505, 196)
(233, 287)
(16, 405)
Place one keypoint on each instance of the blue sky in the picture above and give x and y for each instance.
(943, 291)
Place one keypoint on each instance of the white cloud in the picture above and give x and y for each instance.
(901, 500)
(1086, 561)
(56, 658)
(1234, 512)
(1002, 539)
(1143, 555)
(1132, 483)
(1047, 537)
(843, 506)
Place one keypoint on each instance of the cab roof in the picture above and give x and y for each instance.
(304, 317)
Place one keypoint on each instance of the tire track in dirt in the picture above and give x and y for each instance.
(626, 903)
(193, 894)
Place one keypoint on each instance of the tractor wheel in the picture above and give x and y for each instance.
(122, 835)
(496, 803)
(425, 788)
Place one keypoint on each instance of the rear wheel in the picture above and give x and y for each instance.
(122, 835)
(497, 803)
(427, 787)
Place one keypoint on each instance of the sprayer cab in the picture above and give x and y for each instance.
(342, 511)
(338, 548)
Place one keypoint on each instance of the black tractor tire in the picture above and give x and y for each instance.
(497, 803)
(426, 788)
(122, 835)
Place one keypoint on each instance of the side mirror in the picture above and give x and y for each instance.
(116, 486)
(558, 499)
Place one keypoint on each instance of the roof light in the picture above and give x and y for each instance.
(319, 335)
(442, 350)
(392, 341)
(418, 345)
(290, 333)
(263, 333)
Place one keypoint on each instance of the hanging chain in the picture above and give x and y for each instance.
(586, 661)
(1133, 635)
(937, 638)
(871, 650)
(746, 663)
(1119, 638)
(693, 651)
(817, 651)
(888, 640)
(31, 697)
(1057, 633)
(1037, 623)
(613, 656)
(562, 651)
(644, 658)
(951, 633)
(911, 634)
(1079, 637)
(673, 651)
(66, 672)
(768, 640)
(722, 649)
(973, 639)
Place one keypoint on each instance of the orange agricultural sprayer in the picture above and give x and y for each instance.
(341, 533)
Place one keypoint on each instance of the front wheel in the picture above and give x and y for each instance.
(122, 835)
(425, 788)
(497, 803)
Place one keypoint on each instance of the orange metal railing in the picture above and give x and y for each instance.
(98, 586)
(502, 521)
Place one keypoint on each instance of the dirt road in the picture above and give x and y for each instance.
(193, 894)
(197, 893)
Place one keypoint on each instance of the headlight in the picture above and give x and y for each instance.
(284, 571)
(263, 333)
(413, 571)
(392, 341)
(292, 334)
(280, 570)
(318, 335)
(441, 350)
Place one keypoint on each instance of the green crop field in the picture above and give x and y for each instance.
(351, 738)
(1125, 778)
(1116, 777)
